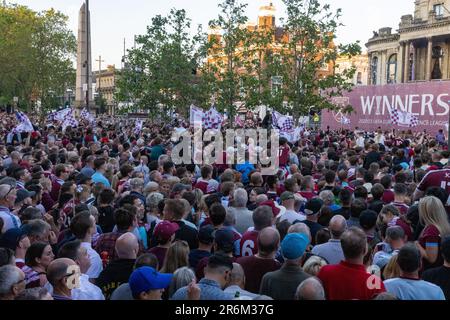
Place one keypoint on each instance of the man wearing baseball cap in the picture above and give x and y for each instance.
(148, 284)
(282, 284)
(164, 234)
(288, 201)
(312, 210)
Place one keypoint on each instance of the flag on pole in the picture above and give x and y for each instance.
(196, 116)
(139, 125)
(62, 114)
(86, 115)
(24, 125)
(404, 119)
(212, 119)
(69, 120)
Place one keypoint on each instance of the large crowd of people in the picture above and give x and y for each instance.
(103, 213)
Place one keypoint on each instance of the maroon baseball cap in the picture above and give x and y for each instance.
(271, 204)
(165, 229)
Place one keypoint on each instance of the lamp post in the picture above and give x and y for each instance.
(88, 32)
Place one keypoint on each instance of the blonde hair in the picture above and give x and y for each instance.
(177, 256)
(392, 269)
(432, 212)
(313, 265)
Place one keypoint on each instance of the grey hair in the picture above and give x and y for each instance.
(313, 265)
(162, 159)
(153, 199)
(38, 227)
(300, 228)
(230, 218)
(327, 197)
(136, 183)
(310, 289)
(9, 276)
(240, 197)
(181, 278)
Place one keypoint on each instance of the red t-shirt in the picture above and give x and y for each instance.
(403, 208)
(255, 268)
(431, 237)
(284, 155)
(345, 281)
(249, 243)
(202, 185)
(437, 178)
(308, 195)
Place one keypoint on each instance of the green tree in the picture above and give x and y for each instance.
(229, 59)
(36, 55)
(161, 72)
(312, 31)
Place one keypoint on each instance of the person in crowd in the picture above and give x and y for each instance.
(434, 217)
(83, 227)
(262, 218)
(282, 284)
(118, 271)
(217, 277)
(164, 234)
(332, 251)
(348, 280)
(256, 266)
(12, 282)
(87, 291)
(60, 274)
(123, 292)
(409, 286)
(440, 275)
(237, 284)
(310, 289)
(243, 216)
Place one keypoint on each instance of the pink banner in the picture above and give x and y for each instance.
(429, 101)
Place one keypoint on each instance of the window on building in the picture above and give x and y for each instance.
(438, 10)
(438, 53)
(277, 83)
(374, 70)
(359, 78)
(392, 69)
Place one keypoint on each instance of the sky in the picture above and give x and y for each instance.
(112, 21)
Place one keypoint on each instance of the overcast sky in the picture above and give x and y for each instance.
(114, 20)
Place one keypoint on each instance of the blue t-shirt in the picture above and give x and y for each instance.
(411, 289)
(97, 177)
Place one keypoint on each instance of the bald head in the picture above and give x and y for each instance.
(58, 269)
(127, 246)
(300, 228)
(337, 226)
(268, 241)
(310, 289)
(237, 276)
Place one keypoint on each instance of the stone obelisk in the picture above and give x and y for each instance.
(83, 95)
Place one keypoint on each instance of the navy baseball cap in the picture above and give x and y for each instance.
(224, 239)
(10, 239)
(144, 279)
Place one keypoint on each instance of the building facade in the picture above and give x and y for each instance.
(266, 21)
(360, 63)
(105, 86)
(419, 51)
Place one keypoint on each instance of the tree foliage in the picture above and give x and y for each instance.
(161, 71)
(36, 56)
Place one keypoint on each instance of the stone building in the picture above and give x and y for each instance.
(360, 62)
(105, 84)
(419, 51)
